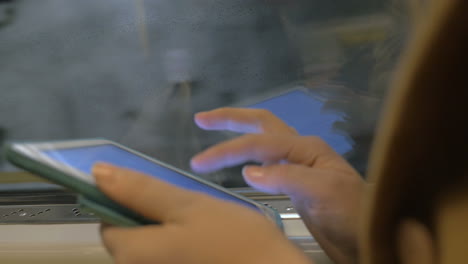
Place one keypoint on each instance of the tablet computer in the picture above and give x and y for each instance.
(69, 164)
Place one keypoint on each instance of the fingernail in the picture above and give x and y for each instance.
(104, 173)
(194, 162)
(253, 171)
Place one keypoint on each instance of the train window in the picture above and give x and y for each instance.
(136, 71)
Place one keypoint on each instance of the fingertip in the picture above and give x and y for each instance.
(104, 173)
(255, 176)
(194, 163)
(253, 172)
(201, 119)
(199, 115)
(197, 164)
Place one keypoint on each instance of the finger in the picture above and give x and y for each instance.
(150, 197)
(289, 179)
(116, 240)
(265, 148)
(243, 120)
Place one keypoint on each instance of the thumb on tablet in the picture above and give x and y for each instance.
(146, 195)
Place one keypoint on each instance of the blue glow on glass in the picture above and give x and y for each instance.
(304, 112)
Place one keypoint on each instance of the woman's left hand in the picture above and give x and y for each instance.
(194, 227)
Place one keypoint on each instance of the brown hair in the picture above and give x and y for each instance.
(422, 144)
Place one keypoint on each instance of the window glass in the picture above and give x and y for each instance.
(136, 71)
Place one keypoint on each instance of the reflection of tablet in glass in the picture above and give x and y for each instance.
(69, 163)
(304, 110)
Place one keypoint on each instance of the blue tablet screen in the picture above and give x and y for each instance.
(83, 158)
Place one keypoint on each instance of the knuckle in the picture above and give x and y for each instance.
(264, 113)
(293, 130)
(280, 171)
(261, 141)
(269, 122)
(318, 141)
(224, 110)
(337, 183)
(251, 138)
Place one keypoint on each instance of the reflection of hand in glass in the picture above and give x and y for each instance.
(324, 188)
(195, 228)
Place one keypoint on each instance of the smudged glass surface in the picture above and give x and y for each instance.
(136, 71)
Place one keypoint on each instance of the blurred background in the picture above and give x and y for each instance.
(136, 71)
